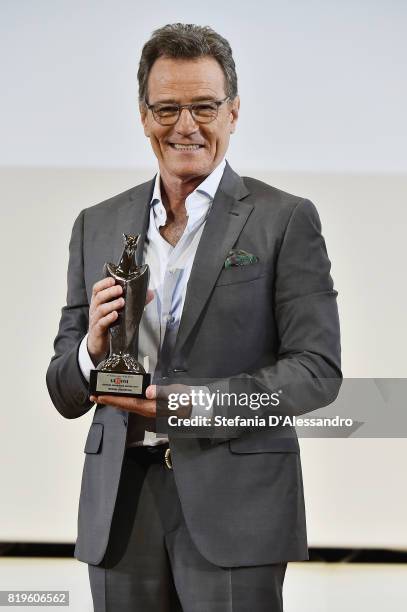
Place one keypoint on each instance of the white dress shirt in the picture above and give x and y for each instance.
(170, 268)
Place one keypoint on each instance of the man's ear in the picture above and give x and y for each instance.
(144, 118)
(234, 113)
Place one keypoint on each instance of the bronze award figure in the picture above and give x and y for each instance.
(121, 373)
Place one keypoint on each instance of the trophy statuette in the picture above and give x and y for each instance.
(121, 373)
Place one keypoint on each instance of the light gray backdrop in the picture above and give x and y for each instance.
(323, 102)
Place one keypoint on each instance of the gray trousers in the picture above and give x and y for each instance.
(151, 563)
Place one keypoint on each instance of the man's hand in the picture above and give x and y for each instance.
(148, 407)
(106, 301)
(103, 311)
(144, 407)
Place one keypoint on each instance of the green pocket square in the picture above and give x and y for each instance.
(240, 258)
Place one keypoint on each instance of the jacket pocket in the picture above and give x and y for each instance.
(94, 439)
(260, 443)
(240, 274)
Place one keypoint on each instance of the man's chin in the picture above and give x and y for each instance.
(189, 171)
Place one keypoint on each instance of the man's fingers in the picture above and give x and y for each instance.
(105, 292)
(105, 322)
(105, 315)
(103, 309)
(104, 283)
(106, 295)
(132, 404)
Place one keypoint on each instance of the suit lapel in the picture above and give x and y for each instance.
(225, 222)
(132, 218)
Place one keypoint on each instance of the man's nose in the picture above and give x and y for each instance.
(186, 123)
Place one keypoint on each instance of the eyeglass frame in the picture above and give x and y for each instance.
(189, 107)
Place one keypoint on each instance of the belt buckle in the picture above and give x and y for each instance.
(167, 458)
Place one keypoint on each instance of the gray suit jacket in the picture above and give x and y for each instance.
(254, 328)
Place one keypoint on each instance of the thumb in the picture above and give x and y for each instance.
(149, 296)
(151, 392)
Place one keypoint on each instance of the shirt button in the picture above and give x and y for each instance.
(171, 270)
(170, 319)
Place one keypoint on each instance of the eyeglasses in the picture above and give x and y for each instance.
(201, 112)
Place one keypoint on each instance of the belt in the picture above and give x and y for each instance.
(146, 455)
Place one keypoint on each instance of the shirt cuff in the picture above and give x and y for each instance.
(201, 405)
(85, 362)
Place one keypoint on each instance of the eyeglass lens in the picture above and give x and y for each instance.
(168, 114)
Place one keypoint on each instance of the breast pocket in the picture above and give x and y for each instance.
(240, 274)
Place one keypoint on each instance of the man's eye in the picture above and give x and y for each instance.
(205, 110)
(166, 111)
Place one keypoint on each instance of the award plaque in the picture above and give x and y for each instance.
(121, 373)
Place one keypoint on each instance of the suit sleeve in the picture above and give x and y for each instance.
(67, 387)
(307, 371)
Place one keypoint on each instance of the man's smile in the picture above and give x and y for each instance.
(186, 147)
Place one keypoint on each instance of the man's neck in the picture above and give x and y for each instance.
(174, 192)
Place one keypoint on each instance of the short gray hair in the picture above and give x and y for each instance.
(187, 41)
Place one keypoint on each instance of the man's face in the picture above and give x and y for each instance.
(185, 81)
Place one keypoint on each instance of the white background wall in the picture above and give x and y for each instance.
(322, 82)
(323, 100)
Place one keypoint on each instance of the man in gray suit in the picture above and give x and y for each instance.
(241, 301)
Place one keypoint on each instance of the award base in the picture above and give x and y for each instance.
(105, 382)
